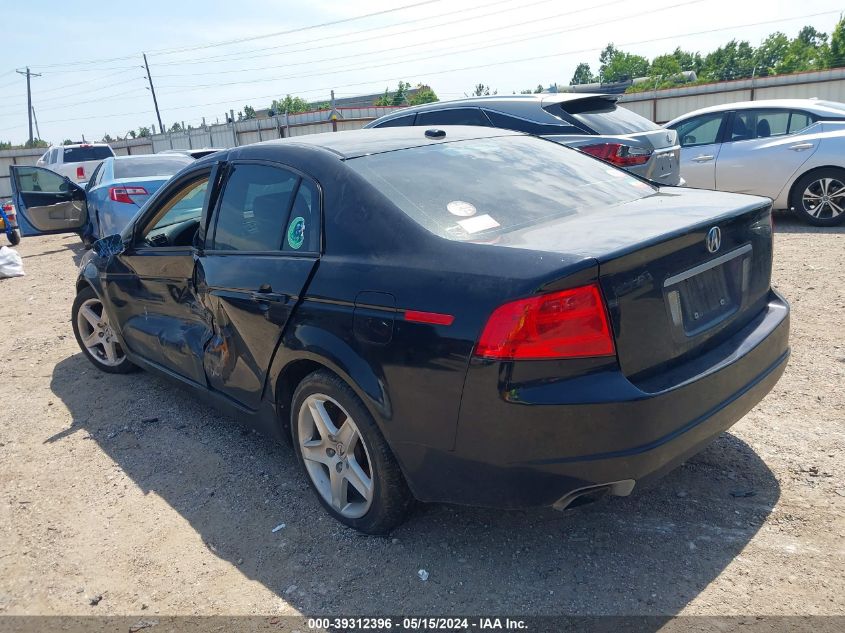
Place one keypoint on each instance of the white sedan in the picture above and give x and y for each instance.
(790, 150)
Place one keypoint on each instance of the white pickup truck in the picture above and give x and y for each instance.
(77, 161)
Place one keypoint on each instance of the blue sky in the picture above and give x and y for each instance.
(92, 80)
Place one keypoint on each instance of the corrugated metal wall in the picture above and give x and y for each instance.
(664, 105)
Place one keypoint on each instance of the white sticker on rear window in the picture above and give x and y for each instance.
(461, 208)
(478, 223)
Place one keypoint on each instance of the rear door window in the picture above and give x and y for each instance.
(83, 154)
(254, 209)
(476, 189)
(757, 124)
(399, 121)
(453, 116)
(509, 122)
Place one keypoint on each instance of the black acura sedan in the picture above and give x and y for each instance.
(458, 315)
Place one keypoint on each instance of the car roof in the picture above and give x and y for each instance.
(81, 145)
(354, 143)
(812, 105)
(505, 102)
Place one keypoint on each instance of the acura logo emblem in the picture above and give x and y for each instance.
(713, 239)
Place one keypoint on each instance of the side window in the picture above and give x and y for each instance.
(40, 180)
(303, 227)
(253, 209)
(399, 121)
(45, 158)
(455, 116)
(701, 130)
(508, 122)
(798, 121)
(54, 156)
(183, 205)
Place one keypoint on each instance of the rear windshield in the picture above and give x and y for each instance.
(152, 166)
(82, 154)
(611, 119)
(472, 190)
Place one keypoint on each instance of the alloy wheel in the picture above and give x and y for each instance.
(97, 335)
(824, 198)
(335, 456)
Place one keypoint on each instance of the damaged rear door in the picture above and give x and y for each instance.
(262, 245)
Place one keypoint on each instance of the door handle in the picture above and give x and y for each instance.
(267, 294)
(800, 147)
(703, 158)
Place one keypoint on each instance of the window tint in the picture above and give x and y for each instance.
(303, 227)
(399, 121)
(34, 179)
(184, 204)
(82, 154)
(149, 166)
(605, 117)
(254, 207)
(798, 121)
(476, 189)
(529, 127)
(701, 130)
(454, 116)
(54, 156)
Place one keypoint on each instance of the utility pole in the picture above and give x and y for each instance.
(153, 90)
(28, 74)
(35, 118)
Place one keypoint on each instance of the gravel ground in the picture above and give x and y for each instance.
(124, 492)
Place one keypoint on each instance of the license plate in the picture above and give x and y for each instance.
(706, 295)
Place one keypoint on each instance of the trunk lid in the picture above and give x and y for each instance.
(668, 295)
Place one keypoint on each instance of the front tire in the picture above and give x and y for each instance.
(95, 335)
(345, 457)
(14, 237)
(819, 197)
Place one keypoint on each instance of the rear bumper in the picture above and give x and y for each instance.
(533, 443)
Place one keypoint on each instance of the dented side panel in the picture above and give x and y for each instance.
(248, 305)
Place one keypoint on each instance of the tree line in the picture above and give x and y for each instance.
(778, 54)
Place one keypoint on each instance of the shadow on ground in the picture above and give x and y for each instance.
(788, 222)
(648, 554)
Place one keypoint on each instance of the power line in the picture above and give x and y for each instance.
(427, 57)
(335, 38)
(406, 46)
(168, 51)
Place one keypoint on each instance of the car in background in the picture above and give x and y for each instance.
(591, 123)
(461, 315)
(789, 150)
(77, 161)
(198, 153)
(121, 185)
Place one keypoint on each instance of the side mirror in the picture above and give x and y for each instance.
(108, 246)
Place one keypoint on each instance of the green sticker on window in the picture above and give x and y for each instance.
(296, 233)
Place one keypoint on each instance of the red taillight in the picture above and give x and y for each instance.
(567, 324)
(618, 154)
(80, 172)
(121, 194)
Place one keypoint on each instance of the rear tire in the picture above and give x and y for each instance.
(94, 334)
(14, 237)
(819, 197)
(346, 459)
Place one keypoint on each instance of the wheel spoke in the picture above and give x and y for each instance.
(816, 211)
(347, 435)
(91, 340)
(839, 192)
(111, 352)
(338, 489)
(322, 420)
(358, 478)
(825, 185)
(809, 195)
(315, 451)
(835, 207)
(90, 316)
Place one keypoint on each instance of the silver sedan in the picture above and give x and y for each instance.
(790, 150)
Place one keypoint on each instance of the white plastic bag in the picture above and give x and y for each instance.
(11, 264)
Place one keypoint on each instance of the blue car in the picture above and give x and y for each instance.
(121, 185)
